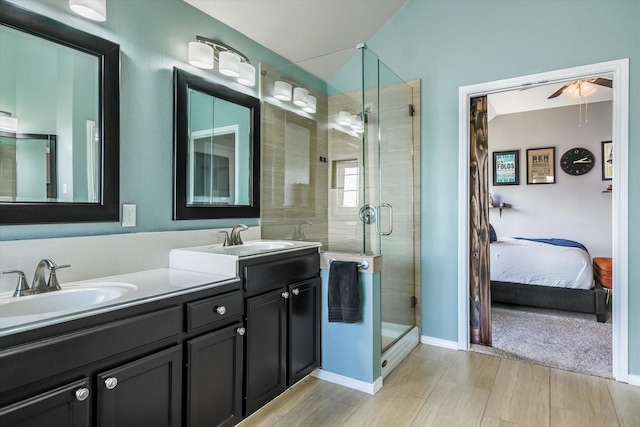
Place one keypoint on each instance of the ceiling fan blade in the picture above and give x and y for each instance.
(603, 82)
(558, 92)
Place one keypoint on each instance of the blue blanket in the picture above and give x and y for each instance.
(557, 242)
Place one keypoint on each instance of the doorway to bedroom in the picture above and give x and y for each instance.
(533, 210)
(554, 220)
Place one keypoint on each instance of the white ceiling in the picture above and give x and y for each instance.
(536, 98)
(301, 30)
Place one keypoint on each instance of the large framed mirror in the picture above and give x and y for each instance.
(59, 121)
(216, 150)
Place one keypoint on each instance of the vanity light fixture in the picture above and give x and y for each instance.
(344, 118)
(95, 10)
(7, 122)
(300, 96)
(229, 64)
(282, 90)
(356, 123)
(312, 102)
(203, 53)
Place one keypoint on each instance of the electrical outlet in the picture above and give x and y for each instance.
(128, 215)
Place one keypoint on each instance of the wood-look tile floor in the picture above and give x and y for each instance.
(441, 387)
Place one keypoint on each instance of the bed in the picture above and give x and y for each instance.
(546, 273)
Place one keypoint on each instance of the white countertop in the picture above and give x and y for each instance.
(150, 285)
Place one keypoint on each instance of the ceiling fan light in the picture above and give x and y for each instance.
(229, 64)
(572, 91)
(247, 74)
(300, 95)
(201, 55)
(587, 89)
(282, 91)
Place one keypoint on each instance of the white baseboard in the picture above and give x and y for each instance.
(439, 342)
(370, 388)
(398, 351)
(634, 379)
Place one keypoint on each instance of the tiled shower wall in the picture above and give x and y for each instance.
(298, 185)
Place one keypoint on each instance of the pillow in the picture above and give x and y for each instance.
(492, 234)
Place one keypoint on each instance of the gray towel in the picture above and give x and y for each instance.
(344, 295)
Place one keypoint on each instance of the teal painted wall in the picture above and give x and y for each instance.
(153, 37)
(448, 44)
(354, 349)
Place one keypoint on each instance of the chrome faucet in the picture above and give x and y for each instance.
(234, 238)
(301, 233)
(39, 284)
(22, 288)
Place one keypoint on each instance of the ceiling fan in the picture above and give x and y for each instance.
(580, 88)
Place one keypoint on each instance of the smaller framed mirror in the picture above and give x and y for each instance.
(216, 150)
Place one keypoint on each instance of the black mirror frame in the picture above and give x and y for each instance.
(108, 54)
(183, 81)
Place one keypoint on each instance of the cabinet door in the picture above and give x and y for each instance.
(67, 406)
(146, 392)
(215, 378)
(266, 340)
(304, 329)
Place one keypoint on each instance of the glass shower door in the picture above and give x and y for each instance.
(391, 190)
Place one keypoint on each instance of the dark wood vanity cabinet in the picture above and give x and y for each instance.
(171, 362)
(303, 329)
(214, 372)
(147, 391)
(283, 325)
(66, 406)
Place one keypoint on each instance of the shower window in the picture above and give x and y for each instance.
(346, 175)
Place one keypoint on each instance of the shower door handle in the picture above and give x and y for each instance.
(389, 222)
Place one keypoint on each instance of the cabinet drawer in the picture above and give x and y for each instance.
(74, 350)
(215, 310)
(273, 274)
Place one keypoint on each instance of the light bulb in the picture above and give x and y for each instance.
(247, 74)
(282, 91)
(311, 104)
(229, 64)
(95, 10)
(201, 55)
(300, 95)
(344, 118)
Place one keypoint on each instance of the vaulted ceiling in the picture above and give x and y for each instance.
(301, 30)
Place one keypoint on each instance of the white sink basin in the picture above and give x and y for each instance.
(253, 246)
(218, 259)
(66, 299)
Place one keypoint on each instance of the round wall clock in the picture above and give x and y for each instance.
(577, 161)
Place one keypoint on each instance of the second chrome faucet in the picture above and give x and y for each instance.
(234, 239)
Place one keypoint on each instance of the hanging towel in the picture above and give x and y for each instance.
(344, 295)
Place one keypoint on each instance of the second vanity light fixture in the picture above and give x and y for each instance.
(232, 63)
(96, 10)
(282, 91)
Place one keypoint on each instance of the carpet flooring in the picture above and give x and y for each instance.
(554, 338)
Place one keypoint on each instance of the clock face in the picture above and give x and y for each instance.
(577, 161)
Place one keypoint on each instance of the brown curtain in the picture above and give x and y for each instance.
(480, 290)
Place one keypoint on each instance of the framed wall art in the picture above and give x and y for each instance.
(607, 160)
(506, 167)
(541, 165)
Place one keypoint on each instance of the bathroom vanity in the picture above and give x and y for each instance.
(204, 349)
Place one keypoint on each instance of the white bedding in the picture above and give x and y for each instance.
(535, 263)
